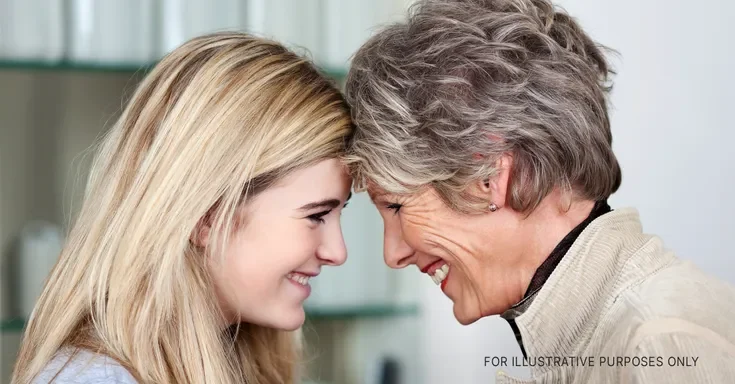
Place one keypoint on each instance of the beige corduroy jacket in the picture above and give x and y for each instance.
(623, 309)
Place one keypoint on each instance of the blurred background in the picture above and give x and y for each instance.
(67, 66)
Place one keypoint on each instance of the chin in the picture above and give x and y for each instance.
(290, 320)
(463, 317)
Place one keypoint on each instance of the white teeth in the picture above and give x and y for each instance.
(440, 274)
(301, 279)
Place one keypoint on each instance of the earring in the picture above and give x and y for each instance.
(493, 207)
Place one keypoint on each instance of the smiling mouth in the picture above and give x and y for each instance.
(299, 278)
(440, 274)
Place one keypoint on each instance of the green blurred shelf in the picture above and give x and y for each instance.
(67, 66)
(370, 311)
(12, 325)
(103, 67)
(336, 313)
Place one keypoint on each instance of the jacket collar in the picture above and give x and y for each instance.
(549, 265)
(555, 320)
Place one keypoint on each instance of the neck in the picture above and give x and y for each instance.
(545, 228)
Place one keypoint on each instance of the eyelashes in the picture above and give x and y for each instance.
(394, 207)
(318, 218)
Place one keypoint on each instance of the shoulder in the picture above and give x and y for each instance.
(650, 281)
(83, 367)
(676, 310)
(677, 322)
(681, 350)
(682, 291)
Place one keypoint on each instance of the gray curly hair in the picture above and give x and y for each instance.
(438, 98)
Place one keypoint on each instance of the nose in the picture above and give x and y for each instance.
(332, 250)
(396, 252)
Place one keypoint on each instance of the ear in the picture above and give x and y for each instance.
(201, 233)
(495, 188)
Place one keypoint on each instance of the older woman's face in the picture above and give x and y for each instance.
(474, 259)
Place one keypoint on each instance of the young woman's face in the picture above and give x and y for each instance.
(291, 231)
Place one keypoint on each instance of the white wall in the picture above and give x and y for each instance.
(673, 133)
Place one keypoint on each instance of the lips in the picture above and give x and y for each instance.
(431, 268)
(438, 271)
(299, 278)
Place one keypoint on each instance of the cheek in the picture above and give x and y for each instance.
(255, 265)
(271, 252)
(413, 230)
(427, 236)
(415, 237)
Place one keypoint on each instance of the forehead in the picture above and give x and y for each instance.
(380, 195)
(332, 171)
(328, 178)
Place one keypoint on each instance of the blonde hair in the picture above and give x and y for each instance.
(216, 121)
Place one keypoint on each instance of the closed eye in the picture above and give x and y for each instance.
(318, 217)
(394, 207)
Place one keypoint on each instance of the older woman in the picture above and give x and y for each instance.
(484, 140)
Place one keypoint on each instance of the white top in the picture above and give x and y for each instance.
(85, 367)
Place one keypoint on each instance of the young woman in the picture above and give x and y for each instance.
(211, 202)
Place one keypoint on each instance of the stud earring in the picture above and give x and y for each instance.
(493, 207)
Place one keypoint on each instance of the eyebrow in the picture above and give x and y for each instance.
(327, 203)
